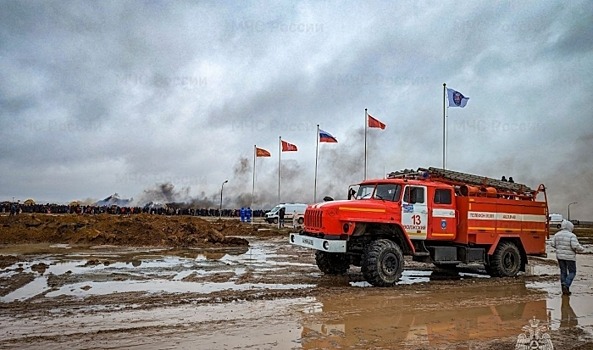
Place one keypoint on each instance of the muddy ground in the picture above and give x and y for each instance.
(86, 294)
(138, 230)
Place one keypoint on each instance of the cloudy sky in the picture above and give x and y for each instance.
(123, 96)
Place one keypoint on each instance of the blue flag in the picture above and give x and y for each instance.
(456, 99)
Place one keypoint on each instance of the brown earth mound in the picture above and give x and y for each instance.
(135, 230)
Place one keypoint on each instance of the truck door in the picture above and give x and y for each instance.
(415, 212)
(442, 219)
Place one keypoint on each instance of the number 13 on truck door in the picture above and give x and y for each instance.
(414, 212)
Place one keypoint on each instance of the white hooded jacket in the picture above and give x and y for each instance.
(566, 243)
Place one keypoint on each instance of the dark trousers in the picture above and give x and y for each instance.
(568, 269)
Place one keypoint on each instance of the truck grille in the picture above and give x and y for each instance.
(313, 218)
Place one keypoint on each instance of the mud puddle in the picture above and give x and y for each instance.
(108, 270)
(272, 296)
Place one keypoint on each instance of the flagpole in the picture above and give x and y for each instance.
(444, 109)
(446, 134)
(316, 158)
(279, 159)
(253, 182)
(366, 118)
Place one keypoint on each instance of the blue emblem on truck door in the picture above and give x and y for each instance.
(443, 224)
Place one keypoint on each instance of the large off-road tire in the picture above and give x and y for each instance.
(332, 263)
(382, 263)
(506, 261)
(275, 221)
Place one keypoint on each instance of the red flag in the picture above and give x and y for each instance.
(374, 123)
(288, 147)
(260, 152)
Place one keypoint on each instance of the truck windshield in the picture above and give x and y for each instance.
(388, 192)
(365, 191)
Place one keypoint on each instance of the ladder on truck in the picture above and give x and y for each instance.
(459, 179)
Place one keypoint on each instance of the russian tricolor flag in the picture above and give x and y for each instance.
(325, 136)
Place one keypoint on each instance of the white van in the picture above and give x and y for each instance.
(555, 220)
(290, 210)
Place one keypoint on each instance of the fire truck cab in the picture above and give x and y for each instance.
(439, 216)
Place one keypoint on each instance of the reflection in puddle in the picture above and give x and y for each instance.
(37, 286)
(430, 320)
(438, 318)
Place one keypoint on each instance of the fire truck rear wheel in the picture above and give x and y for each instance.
(383, 263)
(506, 260)
(332, 263)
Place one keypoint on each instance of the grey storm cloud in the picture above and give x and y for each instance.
(139, 97)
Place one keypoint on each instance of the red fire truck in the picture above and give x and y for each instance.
(434, 215)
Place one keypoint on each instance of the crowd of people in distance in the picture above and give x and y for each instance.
(15, 208)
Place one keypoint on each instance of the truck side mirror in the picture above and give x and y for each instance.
(351, 193)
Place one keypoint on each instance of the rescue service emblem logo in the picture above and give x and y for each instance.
(457, 97)
(443, 224)
(534, 337)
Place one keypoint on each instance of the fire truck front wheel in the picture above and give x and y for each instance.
(506, 260)
(332, 263)
(383, 263)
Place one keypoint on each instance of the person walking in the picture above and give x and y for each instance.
(567, 246)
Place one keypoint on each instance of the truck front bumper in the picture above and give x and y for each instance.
(326, 245)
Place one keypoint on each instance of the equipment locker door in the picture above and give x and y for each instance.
(415, 212)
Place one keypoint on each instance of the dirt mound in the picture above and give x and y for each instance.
(134, 230)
